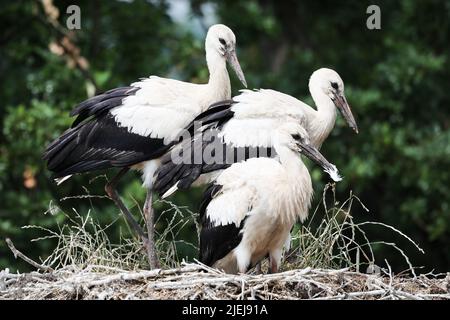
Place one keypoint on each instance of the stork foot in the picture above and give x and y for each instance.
(258, 269)
(274, 261)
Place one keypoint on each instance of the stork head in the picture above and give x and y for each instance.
(221, 39)
(328, 82)
(296, 138)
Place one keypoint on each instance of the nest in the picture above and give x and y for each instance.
(196, 281)
(85, 264)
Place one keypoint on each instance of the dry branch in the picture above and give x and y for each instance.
(19, 254)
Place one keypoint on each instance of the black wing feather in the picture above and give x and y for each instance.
(218, 112)
(214, 109)
(216, 116)
(186, 173)
(100, 143)
(216, 241)
(98, 105)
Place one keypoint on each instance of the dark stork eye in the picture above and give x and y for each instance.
(222, 41)
(335, 85)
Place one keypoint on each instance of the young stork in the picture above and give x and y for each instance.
(131, 127)
(249, 210)
(248, 122)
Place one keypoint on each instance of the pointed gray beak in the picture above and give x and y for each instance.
(234, 63)
(312, 153)
(341, 103)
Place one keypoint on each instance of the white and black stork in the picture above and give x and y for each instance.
(132, 127)
(248, 211)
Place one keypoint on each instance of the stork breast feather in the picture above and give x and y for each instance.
(245, 187)
(153, 120)
(248, 132)
(268, 103)
(163, 91)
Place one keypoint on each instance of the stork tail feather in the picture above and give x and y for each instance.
(169, 192)
(62, 179)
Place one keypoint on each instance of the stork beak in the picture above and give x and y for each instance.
(315, 155)
(341, 103)
(234, 62)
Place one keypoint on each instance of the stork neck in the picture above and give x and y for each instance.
(297, 187)
(324, 117)
(219, 80)
(291, 161)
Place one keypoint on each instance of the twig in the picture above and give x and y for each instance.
(19, 254)
(354, 295)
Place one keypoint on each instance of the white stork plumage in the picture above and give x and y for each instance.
(248, 211)
(249, 122)
(131, 127)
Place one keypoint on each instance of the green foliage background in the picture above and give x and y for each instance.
(397, 81)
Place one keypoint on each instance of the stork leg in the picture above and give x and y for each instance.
(258, 269)
(273, 266)
(111, 191)
(274, 260)
(149, 218)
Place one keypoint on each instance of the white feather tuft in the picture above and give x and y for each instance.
(61, 180)
(169, 192)
(334, 173)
